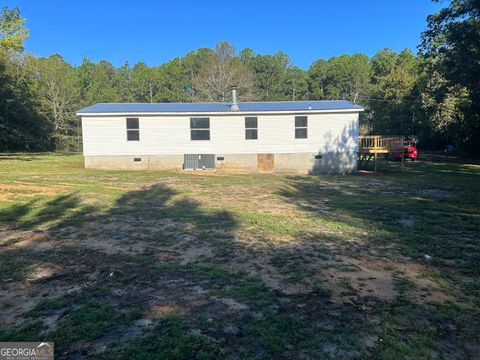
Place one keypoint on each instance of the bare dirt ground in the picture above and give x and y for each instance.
(254, 267)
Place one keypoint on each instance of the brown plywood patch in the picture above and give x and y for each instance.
(265, 162)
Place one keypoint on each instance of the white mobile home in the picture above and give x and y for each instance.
(290, 136)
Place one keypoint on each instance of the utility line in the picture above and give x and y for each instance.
(386, 100)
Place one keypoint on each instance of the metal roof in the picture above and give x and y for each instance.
(213, 107)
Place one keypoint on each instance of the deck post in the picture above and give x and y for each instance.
(375, 161)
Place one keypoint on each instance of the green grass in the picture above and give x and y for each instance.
(86, 323)
(294, 254)
(48, 305)
(415, 332)
(288, 336)
(170, 340)
(236, 285)
(13, 267)
(29, 331)
(89, 322)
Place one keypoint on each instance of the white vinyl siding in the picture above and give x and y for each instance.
(327, 132)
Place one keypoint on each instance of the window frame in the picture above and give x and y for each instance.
(133, 129)
(303, 127)
(197, 129)
(250, 128)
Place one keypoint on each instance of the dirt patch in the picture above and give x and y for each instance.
(407, 222)
(126, 234)
(27, 189)
(5, 197)
(232, 304)
(378, 279)
(43, 273)
(361, 281)
(20, 297)
(271, 276)
(437, 193)
(196, 253)
(79, 165)
(158, 311)
(316, 205)
(344, 276)
(71, 267)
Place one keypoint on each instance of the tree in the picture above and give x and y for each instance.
(190, 67)
(269, 75)
(360, 70)
(296, 84)
(343, 77)
(144, 82)
(98, 82)
(12, 31)
(317, 77)
(22, 126)
(394, 90)
(123, 82)
(444, 104)
(57, 87)
(382, 63)
(221, 70)
(175, 80)
(451, 50)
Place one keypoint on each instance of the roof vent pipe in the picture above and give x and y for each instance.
(234, 106)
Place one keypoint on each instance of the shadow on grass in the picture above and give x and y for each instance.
(60, 211)
(425, 209)
(236, 310)
(86, 268)
(415, 214)
(154, 203)
(117, 289)
(19, 156)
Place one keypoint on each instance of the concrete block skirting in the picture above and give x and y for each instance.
(288, 163)
(134, 162)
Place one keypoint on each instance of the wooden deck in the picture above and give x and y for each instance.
(379, 144)
(370, 146)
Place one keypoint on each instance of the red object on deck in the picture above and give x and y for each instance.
(409, 152)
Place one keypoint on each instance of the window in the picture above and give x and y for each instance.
(301, 125)
(200, 128)
(251, 128)
(133, 132)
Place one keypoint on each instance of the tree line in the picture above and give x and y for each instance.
(433, 95)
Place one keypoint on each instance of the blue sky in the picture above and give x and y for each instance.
(157, 31)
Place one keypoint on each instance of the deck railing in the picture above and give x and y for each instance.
(380, 143)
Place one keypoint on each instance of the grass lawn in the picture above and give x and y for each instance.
(172, 265)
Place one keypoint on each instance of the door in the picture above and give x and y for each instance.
(266, 162)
